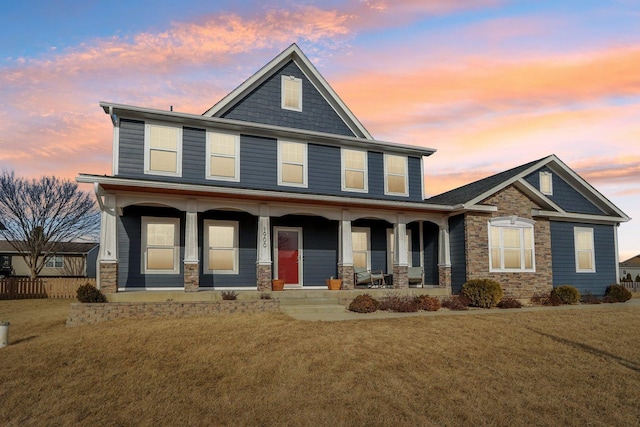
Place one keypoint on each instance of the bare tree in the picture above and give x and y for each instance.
(38, 214)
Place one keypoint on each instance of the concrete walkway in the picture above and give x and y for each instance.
(350, 315)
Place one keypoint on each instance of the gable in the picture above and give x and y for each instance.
(263, 105)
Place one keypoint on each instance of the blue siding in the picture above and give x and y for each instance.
(131, 149)
(130, 249)
(263, 105)
(194, 149)
(564, 195)
(431, 234)
(457, 247)
(563, 257)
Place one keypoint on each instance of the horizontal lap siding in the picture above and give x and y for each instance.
(564, 263)
(131, 149)
(194, 146)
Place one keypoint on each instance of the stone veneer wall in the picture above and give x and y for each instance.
(400, 276)
(83, 314)
(346, 272)
(263, 274)
(191, 277)
(109, 277)
(444, 277)
(509, 201)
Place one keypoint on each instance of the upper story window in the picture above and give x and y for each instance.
(354, 170)
(585, 254)
(160, 245)
(546, 183)
(221, 242)
(395, 175)
(162, 150)
(55, 261)
(292, 163)
(512, 246)
(291, 93)
(223, 156)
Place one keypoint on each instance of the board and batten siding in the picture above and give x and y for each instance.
(458, 253)
(564, 257)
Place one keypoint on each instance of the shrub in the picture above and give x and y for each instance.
(483, 293)
(589, 298)
(427, 303)
(509, 303)
(364, 303)
(566, 294)
(456, 302)
(618, 293)
(398, 302)
(89, 293)
(265, 295)
(229, 295)
(539, 299)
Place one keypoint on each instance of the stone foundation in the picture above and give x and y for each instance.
(345, 272)
(263, 277)
(191, 277)
(400, 277)
(109, 277)
(444, 276)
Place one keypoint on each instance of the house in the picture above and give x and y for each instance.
(630, 266)
(70, 259)
(279, 179)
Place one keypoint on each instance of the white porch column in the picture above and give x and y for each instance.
(191, 261)
(345, 251)
(444, 254)
(421, 238)
(401, 247)
(108, 262)
(263, 249)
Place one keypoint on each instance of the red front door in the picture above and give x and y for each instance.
(288, 255)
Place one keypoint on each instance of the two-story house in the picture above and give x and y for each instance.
(280, 180)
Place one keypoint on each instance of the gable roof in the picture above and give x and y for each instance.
(631, 262)
(468, 196)
(59, 247)
(295, 54)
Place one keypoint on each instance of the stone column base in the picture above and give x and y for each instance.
(263, 277)
(400, 277)
(109, 277)
(444, 276)
(191, 277)
(345, 272)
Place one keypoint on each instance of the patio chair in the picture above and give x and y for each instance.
(416, 276)
(362, 276)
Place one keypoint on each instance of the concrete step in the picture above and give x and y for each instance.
(301, 309)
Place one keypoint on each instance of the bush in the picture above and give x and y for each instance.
(566, 294)
(589, 298)
(89, 293)
(509, 303)
(229, 295)
(618, 293)
(364, 303)
(398, 302)
(456, 302)
(483, 293)
(427, 303)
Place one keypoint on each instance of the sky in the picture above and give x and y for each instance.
(490, 84)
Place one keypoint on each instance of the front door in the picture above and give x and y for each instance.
(288, 256)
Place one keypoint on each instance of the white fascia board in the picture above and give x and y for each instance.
(231, 191)
(259, 129)
(575, 217)
(536, 195)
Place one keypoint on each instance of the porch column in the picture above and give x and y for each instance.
(444, 255)
(191, 262)
(345, 251)
(401, 246)
(108, 271)
(263, 263)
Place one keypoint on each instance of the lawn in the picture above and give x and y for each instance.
(566, 367)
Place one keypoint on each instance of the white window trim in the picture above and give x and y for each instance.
(235, 178)
(518, 223)
(305, 164)
(147, 150)
(386, 175)
(550, 175)
(236, 245)
(366, 230)
(390, 250)
(282, 92)
(53, 260)
(176, 244)
(589, 230)
(343, 169)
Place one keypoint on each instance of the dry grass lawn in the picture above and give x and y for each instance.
(571, 367)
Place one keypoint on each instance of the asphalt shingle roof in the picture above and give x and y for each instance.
(60, 248)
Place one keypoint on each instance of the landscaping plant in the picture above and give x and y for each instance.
(484, 293)
(509, 303)
(229, 295)
(88, 294)
(364, 303)
(565, 294)
(427, 303)
(617, 293)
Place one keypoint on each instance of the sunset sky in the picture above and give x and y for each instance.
(489, 84)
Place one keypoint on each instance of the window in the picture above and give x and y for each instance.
(585, 256)
(395, 175)
(292, 163)
(354, 170)
(391, 248)
(291, 93)
(546, 183)
(511, 243)
(223, 156)
(360, 247)
(55, 261)
(160, 245)
(221, 243)
(162, 150)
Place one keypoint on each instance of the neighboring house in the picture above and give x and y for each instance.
(280, 180)
(71, 259)
(630, 266)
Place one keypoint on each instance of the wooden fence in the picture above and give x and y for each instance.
(632, 286)
(55, 287)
